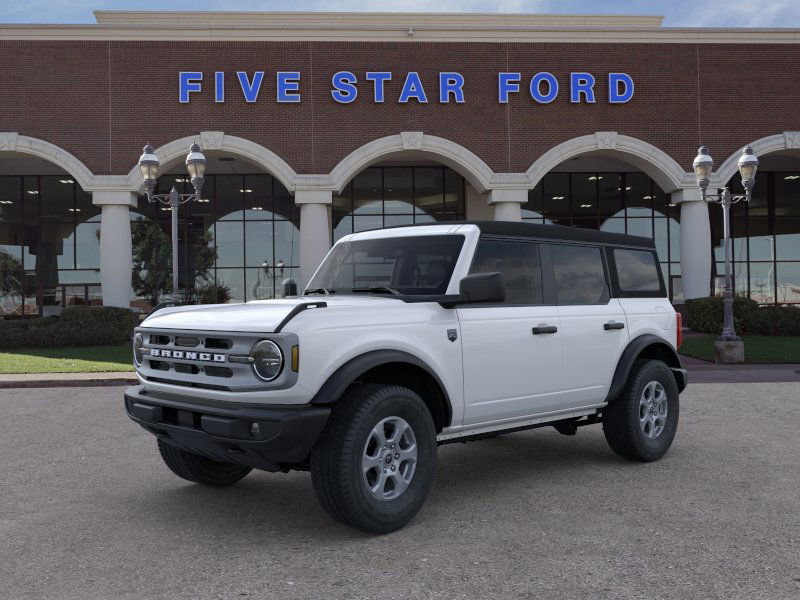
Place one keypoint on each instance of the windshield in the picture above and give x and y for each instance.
(414, 265)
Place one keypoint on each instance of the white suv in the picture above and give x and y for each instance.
(408, 338)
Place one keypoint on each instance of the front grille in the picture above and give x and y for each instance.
(218, 371)
(194, 384)
(190, 358)
(218, 344)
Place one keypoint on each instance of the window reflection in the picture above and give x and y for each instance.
(49, 241)
(391, 196)
(230, 245)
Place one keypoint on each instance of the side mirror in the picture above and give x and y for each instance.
(482, 287)
(289, 287)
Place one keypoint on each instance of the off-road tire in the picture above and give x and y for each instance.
(336, 460)
(199, 469)
(621, 418)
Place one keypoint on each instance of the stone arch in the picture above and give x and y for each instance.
(444, 151)
(656, 163)
(781, 142)
(11, 141)
(218, 140)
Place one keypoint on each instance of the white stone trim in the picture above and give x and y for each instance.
(444, 151)
(651, 160)
(788, 140)
(11, 141)
(219, 140)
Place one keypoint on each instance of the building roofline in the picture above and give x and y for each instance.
(435, 19)
(387, 27)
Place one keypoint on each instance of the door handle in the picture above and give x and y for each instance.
(544, 329)
(613, 325)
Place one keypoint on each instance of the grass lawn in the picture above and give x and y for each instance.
(92, 359)
(763, 349)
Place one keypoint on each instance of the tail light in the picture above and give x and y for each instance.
(678, 329)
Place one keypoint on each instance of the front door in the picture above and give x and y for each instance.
(511, 351)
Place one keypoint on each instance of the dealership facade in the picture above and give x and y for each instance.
(316, 125)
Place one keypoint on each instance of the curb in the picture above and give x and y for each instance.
(51, 382)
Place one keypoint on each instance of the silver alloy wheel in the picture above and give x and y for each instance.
(389, 459)
(653, 409)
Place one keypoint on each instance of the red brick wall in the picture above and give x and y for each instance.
(102, 101)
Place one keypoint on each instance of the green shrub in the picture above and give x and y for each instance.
(705, 315)
(77, 326)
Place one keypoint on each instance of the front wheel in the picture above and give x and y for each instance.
(641, 423)
(375, 461)
(199, 469)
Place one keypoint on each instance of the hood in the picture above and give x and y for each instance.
(261, 316)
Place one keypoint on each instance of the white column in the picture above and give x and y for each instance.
(315, 230)
(695, 243)
(507, 203)
(116, 254)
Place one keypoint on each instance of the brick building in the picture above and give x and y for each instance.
(316, 125)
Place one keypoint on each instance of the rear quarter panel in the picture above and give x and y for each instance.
(650, 315)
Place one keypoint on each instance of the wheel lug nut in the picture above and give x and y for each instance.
(397, 456)
(392, 446)
(393, 467)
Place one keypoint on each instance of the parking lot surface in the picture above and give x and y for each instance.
(88, 510)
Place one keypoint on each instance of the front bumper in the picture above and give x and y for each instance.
(224, 431)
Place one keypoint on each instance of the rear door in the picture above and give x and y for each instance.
(593, 325)
(511, 351)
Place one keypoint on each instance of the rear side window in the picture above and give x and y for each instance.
(579, 274)
(519, 264)
(637, 271)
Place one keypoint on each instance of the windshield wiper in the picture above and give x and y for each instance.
(321, 290)
(378, 289)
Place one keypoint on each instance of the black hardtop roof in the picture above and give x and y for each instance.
(550, 232)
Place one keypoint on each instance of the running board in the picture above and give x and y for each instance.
(477, 432)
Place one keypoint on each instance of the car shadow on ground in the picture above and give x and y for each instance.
(285, 505)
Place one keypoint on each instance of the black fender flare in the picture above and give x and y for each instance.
(340, 380)
(634, 348)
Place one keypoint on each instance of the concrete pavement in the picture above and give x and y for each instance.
(87, 510)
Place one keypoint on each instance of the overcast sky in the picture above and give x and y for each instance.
(678, 13)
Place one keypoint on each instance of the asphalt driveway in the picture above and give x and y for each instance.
(87, 510)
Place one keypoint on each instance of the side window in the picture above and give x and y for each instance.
(637, 271)
(519, 264)
(579, 274)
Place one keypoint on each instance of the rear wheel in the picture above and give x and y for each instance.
(199, 469)
(641, 423)
(375, 461)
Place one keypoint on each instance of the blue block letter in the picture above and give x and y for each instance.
(288, 86)
(507, 83)
(250, 90)
(412, 88)
(344, 90)
(451, 83)
(219, 86)
(581, 83)
(615, 96)
(188, 81)
(536, 88)
(378, 77)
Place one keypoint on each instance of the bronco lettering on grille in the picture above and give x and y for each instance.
(182, 354)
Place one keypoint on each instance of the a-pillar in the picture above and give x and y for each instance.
(116, 254)
(508, 203)
(695, 243)
(315, 230)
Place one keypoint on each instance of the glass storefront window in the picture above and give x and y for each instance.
(49, 240)
(391, 196)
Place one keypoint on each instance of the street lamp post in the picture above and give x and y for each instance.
(703, 165)
(196, 165)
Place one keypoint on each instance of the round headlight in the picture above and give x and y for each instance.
(138, 343)
(268, 360)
